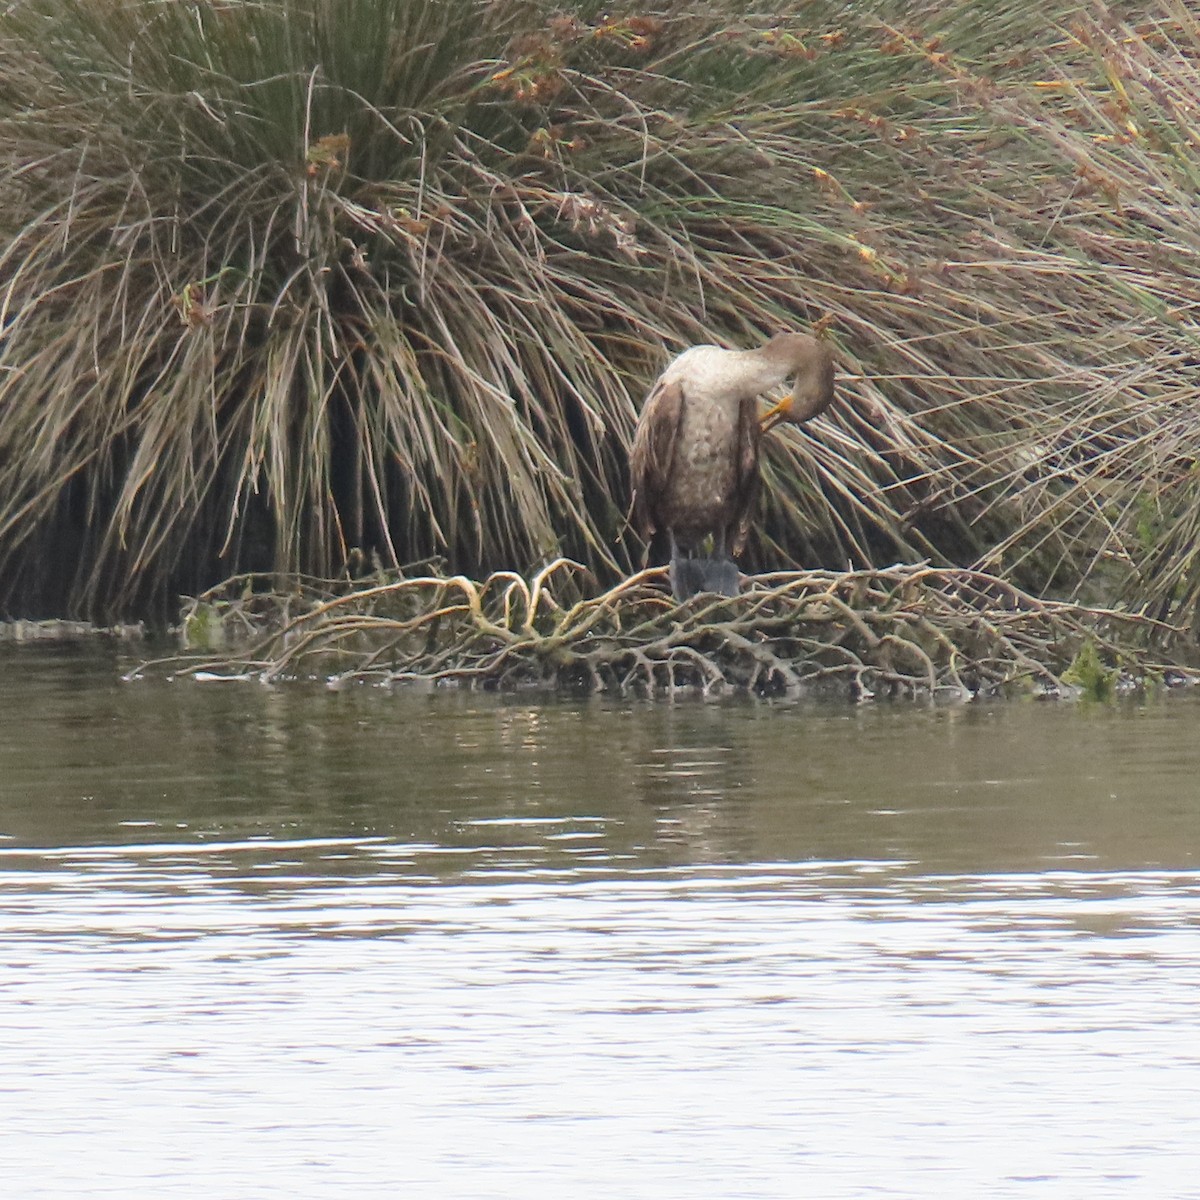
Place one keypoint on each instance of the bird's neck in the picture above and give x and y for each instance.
(751, 373)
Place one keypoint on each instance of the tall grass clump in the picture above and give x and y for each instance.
(1069, 223)
(287, 281)
(283, 283)
(1130, 128)
(272, 293)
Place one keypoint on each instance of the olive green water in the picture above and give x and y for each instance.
(296, 943)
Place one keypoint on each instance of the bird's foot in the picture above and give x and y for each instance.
(721, 576)
(687, 577)
(690, 576)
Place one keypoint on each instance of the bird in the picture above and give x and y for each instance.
(694, 462)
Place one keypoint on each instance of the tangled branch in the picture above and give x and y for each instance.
(903, 631)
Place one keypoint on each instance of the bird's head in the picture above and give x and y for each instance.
(809, 364)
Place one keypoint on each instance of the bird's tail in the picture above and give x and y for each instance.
(690, 576)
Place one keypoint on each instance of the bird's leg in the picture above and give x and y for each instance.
(686, 573)
(720, 572)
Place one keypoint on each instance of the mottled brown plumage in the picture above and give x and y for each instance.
(694, 462)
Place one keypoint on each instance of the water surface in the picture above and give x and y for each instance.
(291, 942)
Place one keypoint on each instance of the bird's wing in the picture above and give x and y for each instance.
(654, 452)
(746, 478)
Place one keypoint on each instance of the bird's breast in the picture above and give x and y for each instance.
(704, 476)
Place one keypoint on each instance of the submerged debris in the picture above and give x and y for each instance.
(18, 632)
(903, 631)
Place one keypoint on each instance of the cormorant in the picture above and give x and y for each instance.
(694, 463)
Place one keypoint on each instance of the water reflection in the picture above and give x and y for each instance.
(294, 942)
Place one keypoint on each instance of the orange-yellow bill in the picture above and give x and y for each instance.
(775, 414)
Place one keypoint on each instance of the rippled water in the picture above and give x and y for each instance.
(295, 943)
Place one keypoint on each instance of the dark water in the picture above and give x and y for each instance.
(296, 943)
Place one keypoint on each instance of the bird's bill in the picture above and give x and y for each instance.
(775, 414)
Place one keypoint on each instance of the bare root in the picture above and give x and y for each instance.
(910, 631)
